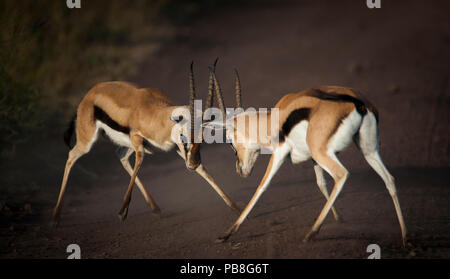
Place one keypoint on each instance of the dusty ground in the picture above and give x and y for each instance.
(397, 55)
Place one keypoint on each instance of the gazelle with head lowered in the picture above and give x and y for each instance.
(139, 120)
(312, 124)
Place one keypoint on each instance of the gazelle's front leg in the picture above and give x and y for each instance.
(124, 156)
(203, 173)
(323, 188)
(276, 160)
(339, 174)
(136, 141)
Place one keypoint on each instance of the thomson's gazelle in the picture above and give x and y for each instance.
(312, 124)
(138, 119)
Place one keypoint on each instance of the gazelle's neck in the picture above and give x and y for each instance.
(160, 130)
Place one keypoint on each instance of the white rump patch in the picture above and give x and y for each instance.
(368, 137)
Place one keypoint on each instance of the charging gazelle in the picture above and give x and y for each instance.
(312, 124)
(137, 119)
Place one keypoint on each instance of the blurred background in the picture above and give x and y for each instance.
(50, 56)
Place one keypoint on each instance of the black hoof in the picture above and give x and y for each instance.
(55, 219)
(309, 236)
(223, 239)
(156, 211)
(123, 214)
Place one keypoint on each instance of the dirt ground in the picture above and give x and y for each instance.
(398, 56)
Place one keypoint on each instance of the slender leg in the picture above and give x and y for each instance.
(203, 173)
(139, 149)
(323, 188)
(368, 144)
(376, 163)
(74, 155)
(126, 165)
(276, 160)
(339, 174)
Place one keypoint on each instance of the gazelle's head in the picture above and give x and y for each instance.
(183, 134)
(193, 158)
(189, 140)
(243, 143)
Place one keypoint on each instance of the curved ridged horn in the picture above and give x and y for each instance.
(210, 98)
(191, 94)
(219, 95)
(238, 89)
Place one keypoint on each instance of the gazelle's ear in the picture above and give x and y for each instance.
(216, 125)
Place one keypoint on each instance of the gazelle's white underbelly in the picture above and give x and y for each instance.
(297, 140)
(123, 139)
(115, 136)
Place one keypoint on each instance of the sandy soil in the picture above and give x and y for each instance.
(397, 55)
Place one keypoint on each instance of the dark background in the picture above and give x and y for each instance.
(398, 56)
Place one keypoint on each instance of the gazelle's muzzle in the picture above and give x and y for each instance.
(193, 159)
(241, 171)
(192, 166)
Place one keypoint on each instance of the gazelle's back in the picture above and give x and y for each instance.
(124, 95)
(332, 103)
(128, 107)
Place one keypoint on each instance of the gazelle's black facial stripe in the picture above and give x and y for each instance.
(183, 140)
(195, 153)
(234, 149)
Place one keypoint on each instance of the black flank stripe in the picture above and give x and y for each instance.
(102, 116)
(293, 119)
(338, 124)
(298, 115)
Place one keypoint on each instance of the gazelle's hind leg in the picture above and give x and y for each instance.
(323, 188)
(74, 155)
(138, 147)
(85, 139)
(124, 155)
(368, 144)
